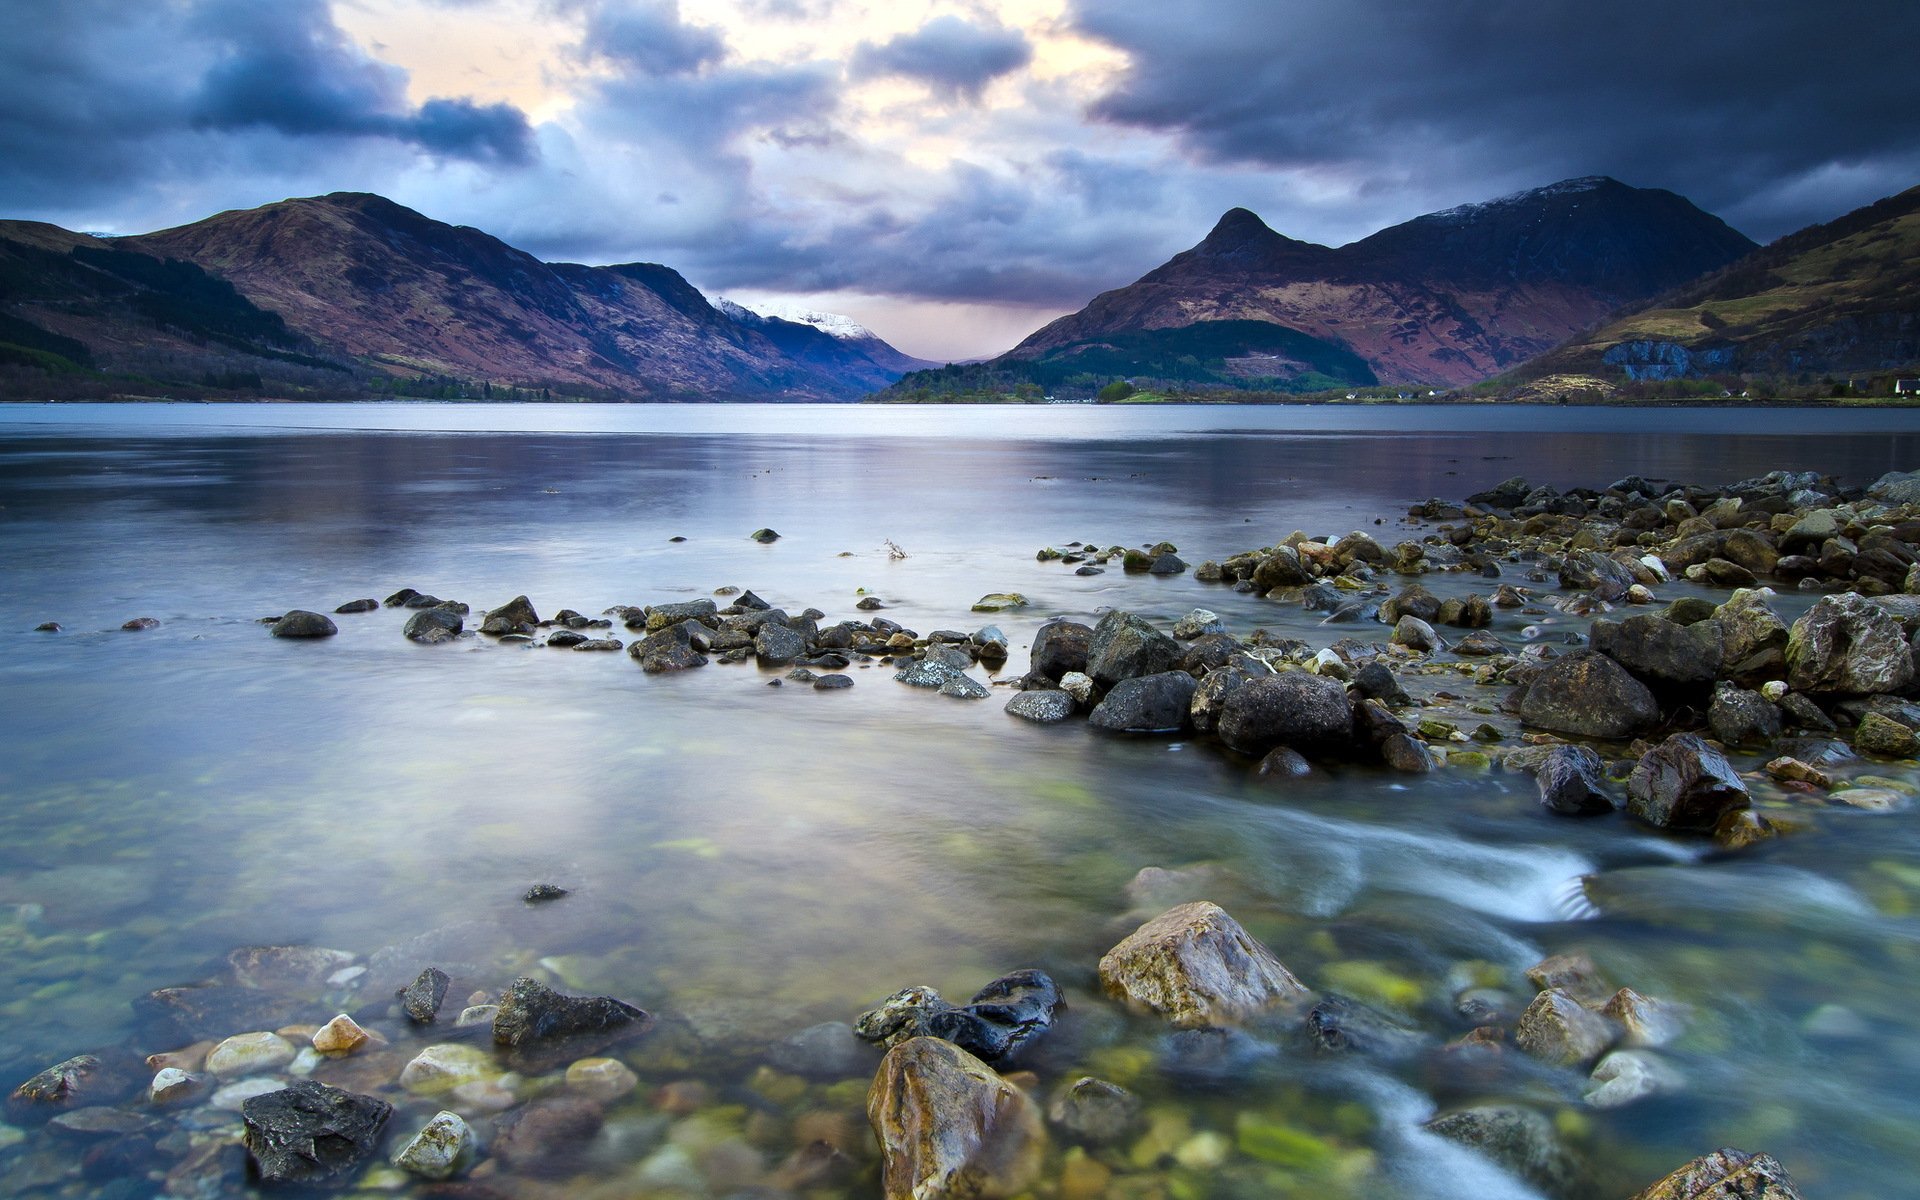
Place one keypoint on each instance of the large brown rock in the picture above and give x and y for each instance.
(1060, 647)
(1846, 643)
(950, 1128)
(1195, 966)
(1726, 1175)
(1589, 695)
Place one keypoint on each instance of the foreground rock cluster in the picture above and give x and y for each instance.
(1676, 686)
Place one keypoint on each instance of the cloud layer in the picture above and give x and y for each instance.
(961, 158)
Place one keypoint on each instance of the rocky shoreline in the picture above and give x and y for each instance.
(320, 1066)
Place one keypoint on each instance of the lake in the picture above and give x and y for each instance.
(746, 860)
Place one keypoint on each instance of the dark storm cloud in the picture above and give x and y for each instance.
(286, 66)
(97, 96)
(954, 57)
(1727, 104)
(650, 37)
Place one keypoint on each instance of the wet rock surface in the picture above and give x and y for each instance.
(950, 1128)
(311, 1133)
(1195, 966)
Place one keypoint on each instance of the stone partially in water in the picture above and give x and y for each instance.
(311, 1133)
(532, 1012)
(1557, 1029)
(1683, 783)
(1570, 784)
(950, 1128)
(1195, 966)
(1293, 708)
(342, 1035)
(1124, 646)
(299, 623)
(441, 1150)
(1726, 1174)
(421, 999)
(430, 626)
(1627, 1076)
(1043, 708)
(1060, 647)
(1146, 704)
(1000, 1020)
(827, 1051)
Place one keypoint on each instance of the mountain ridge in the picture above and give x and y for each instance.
(1448, 298)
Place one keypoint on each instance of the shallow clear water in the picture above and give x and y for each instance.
(754, 859)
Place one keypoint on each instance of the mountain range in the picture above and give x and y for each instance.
(1446, 299)
(1588, 282)
(375, 294)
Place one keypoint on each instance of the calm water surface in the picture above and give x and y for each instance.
(747, 860)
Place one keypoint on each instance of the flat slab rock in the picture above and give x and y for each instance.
(311, 1133)
(1195, 966)
(950, 1128)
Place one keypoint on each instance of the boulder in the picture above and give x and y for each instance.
(1292, 708)
(516, 615)
(1661, 652)
(310, 1133)
(671, 649)
(531, 1012)
(548, 1136)
(1624, 1077)
(1589, 695)
(1411, 601)
(430, 626)
(1727, 1174)
(1846, 643)
(827, 1051)
(249, 1053)
(1044, 708)
(1211, 695)
(1413, 633)
(1742, 718)
(778, 645)
(1558, 1029)
(80, 1081)
(950, 1128)
(1683, 783)
(659, 616)
(1196, 967)
(1146, 704)
(303, 624)
(1376, 681)
(1569, 778)
(1124, 646)
(1280, 569)
(1060, 647)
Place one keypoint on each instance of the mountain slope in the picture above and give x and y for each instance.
(1449, 298)
(383, 284)
(73, 307)
(1841, 298)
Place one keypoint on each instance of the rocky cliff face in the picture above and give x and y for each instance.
(1450, 298)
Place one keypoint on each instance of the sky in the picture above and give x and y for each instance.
(952, 173)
